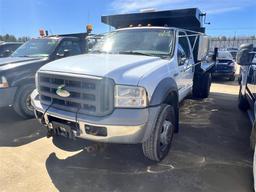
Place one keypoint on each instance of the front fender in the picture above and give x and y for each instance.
(163, 89)
(23, 81)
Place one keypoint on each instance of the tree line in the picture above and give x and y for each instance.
(12, 38)
(232, 38)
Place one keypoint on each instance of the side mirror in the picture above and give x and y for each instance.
(64, 54)
(183, 60)
(245, 54)
(203, 47)
(212, 56)
(6, 53)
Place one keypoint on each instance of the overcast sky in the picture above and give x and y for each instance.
(26, 17)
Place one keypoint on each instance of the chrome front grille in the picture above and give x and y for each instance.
(91, 96)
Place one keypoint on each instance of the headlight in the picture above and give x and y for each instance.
(3, 82)
(130, 97)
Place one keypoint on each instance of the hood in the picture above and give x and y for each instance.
(15, 60)
(124, 69)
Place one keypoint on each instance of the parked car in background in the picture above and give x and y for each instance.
(225, 66)
(7, 48)
(247, 92)
(17, 72)
(233, 52)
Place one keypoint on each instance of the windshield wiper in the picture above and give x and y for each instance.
(134, 53)
(21, 56)
(98, 51)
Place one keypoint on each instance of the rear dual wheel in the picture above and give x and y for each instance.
(202, 85)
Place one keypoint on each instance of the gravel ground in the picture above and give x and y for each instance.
(210, 153)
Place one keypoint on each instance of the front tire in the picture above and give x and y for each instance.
(158, 144)
(22, 104)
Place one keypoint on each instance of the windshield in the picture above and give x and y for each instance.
(151, 42)
(36, 48)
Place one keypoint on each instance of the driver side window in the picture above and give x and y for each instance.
(72, 46)
(183, 49)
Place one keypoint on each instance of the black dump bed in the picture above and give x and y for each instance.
(191, 19)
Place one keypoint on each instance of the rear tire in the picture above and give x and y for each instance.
(158, 144)
(22, 104)
(242, 101)
(202, 85)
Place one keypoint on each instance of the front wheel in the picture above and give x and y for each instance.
(158, 145)
(22, 104)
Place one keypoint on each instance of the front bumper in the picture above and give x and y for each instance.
(7, 96)
(123, 125)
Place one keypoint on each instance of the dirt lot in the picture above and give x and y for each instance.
(211, 153)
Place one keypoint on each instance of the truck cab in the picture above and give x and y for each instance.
(128, 88)
(17, 72)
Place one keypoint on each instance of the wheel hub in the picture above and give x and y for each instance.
(28, 103)
(166, 134)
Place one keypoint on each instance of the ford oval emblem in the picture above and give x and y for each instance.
(62, 92)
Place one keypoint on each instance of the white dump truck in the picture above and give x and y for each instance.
(128, 88)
